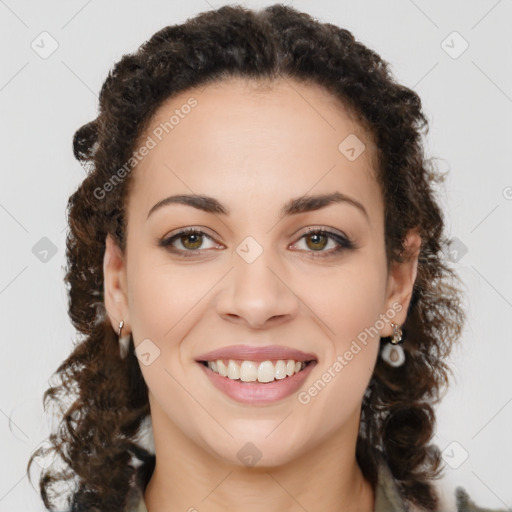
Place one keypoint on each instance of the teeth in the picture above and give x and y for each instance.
(266, 372)
(250, 371)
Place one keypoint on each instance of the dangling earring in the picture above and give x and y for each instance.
(124, 341)
(392, 352)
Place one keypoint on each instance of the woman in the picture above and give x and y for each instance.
(228, 151)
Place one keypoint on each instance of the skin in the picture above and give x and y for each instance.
(254, 149)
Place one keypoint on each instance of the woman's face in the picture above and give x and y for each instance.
(253, 275)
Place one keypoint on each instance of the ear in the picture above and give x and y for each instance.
(114, 286)
(401, 278)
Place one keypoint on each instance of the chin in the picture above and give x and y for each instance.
(260, 450)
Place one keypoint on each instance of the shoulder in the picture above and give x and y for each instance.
(464, 503)
(388, 497)
(457, 501)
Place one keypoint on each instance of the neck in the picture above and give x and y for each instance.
(187, 477)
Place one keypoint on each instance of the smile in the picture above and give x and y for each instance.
(252, 371)
(252, 391)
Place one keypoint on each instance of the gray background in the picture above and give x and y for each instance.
(467, 97)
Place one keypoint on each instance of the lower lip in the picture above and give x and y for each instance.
(257, 392)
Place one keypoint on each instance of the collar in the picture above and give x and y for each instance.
(387, 495)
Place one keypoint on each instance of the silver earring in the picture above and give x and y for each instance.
(392, 352)
(397, 334)
(124, 341)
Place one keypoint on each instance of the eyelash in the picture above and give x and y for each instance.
(344, 243)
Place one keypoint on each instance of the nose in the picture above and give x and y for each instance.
(259, 293)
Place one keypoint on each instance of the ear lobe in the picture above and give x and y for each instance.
(114, 289)
(402, 275)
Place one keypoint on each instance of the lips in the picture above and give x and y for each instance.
(258, 393)
(256, 354)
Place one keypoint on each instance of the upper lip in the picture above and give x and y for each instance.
(257, 354)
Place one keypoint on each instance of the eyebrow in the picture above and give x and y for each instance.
(292, 207)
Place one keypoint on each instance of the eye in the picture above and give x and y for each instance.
(318, 239)
(190, 239)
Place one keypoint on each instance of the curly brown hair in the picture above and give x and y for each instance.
(96, 437)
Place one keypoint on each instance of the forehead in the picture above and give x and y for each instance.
(241, 135)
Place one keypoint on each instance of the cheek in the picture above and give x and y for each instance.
(348, 300)
(163, 298)
(348, 305)
(165, 304)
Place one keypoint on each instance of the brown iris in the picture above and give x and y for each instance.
(195, 245)
(317, 236)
